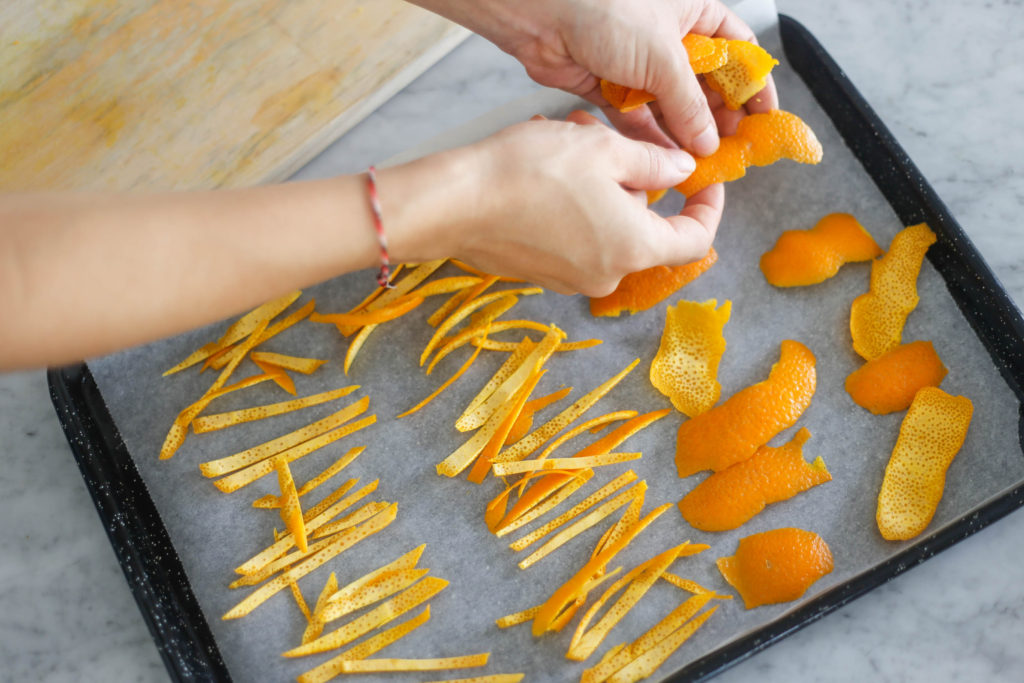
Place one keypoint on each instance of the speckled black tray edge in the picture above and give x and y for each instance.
(154, 571)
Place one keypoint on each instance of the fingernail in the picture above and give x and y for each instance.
(707, 142)
(683, 161)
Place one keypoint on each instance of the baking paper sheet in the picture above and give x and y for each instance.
(214, 532)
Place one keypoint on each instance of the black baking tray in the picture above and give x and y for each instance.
(154, 570)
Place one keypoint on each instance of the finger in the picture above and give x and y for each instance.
(695, 227)
(640, 124)
(583, 118)
(719, 21)
(684, 106)
(765, 100)
(645, 166)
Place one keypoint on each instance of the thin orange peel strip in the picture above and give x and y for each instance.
(502, 469)
(546, 506)
(483, 462)
(444, 385)
(210, 423)
(438, 664)
(889, 382)
(495, 345)
(467, 307)
(776, 566)
(685, 368)
(525, 419)
(291, 511)
(647, 288)
(807, 257)
(306, 366)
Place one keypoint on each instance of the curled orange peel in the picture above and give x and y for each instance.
(730, 498)
(776, 566)
(760, 140)
(889, 382)
(525, 418)
(685, 368)
(291, 512)
(646, 288)
(807, 257)
(931, 435)
(733, 431)
(877, 317)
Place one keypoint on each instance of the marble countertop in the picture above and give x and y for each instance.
(946, 78)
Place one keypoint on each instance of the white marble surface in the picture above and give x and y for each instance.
(945, 76)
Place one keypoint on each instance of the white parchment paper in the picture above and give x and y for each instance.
(214, 532)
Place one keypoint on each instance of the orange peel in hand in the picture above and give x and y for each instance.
(889, 383)
(776, 566)
(646, 288)
(744, 74)
(931, 435)
(807, 257)
(733, 431)
(728, 499)
(686, 366)
(760, 140)
(877, 317)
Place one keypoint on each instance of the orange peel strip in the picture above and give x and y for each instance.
(213, 468)
(596, 448)
(877, 317)
(358, 515)
(743, 75)
(445, 285)
(495, 345)
(685, 369)
(483, 463)
(525, 419)
(356, 344)
(405, 562)
(549, 504)
(304, 365)
(931, 435)
(447, 383)
(238, 330)
(331, 470)
(394, 607)
(335, 503)
(375, 317)
(479, 326)
(377, 291)
(462, 265)
(457, 299)
(210, 423)
(733, 431)
(352, 666)
(573, 589)
(638, 490)
(521, 617)
(548, 485)
(626, 521)
(280, 563)
(532, 441)
(381, 587)
(314, 627)
(280, 377)
(291, 511)
(647, 663)
(378, 642)
(492, 678)
(337, 544)
(247, 475)
(889, 382)
(299, 600)
(502, 469)
(776, 566)
(730, 498)
(413, 278)
(468, 307)
(220, 360)
(510, 365)
(807, 257)
(647, 288)
(760, 140)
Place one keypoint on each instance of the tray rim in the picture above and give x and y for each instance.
(156, 576)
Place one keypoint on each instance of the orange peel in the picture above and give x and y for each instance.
(776, 566)
(807, 257)
(646, 288)
(685, 368)
(744, 74)
(931, 435)
(291, 512)
(210, 423)
(733, 431)
(760, 140)
(525, 419)
(730, 498)
(877, 317)
(889, 382)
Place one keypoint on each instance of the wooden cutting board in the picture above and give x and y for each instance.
(162, 94)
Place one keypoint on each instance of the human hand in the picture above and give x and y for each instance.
(572, 44)
(562, 204)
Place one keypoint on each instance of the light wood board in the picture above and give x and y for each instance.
(166, 94)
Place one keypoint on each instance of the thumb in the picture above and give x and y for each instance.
(646, 166)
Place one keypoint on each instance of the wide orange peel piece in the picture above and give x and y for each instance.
(877, 317)
(646, 288)
(889, 383)
(807, 257)
(760, 140)
(776, 566)
(931, 435)
(685, 369)
(744, 74)
(728, 499)
(733, 431)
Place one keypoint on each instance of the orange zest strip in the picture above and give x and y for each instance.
(462, 265)
(313, 627)
(776, 566)
(646, 288)
(335, 503)
(445, 285)
(280, 377)
(647, 663)
(550, 503)
(405, 562)
(807, 257)
(377, 291)
(733, 496)
(381, 587)
(889, 382)
(510, 365)
(931, 435)
(351, 666)
(456, 300)
(483, 462)
(573, 588)
(464, 455)
(299, 600)
(535, 496)
(357, 516)
(378, 642)
(336, 545)
(400, 289)
(734, 430)
(238, 330)
(375, 317)
(502, 469)
(597, 496)
(280, 563)
(249, 456)
(291, 512)
(480, 322)
(532, 441)
(304, 365)
(447, 383)
(210, 423)
(247, 475)
(525, 419)
(522, 617)
(405, 601)
(690, 586)
(272, 331)
(356, 344)
(492, 678)
(331, 470)
(179, 429)
(495, 345)
(878, 316)
(638, 490)
(589, 425)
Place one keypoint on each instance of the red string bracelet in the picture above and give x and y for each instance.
(384, 276)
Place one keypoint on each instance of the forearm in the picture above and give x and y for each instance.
(86, 275)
